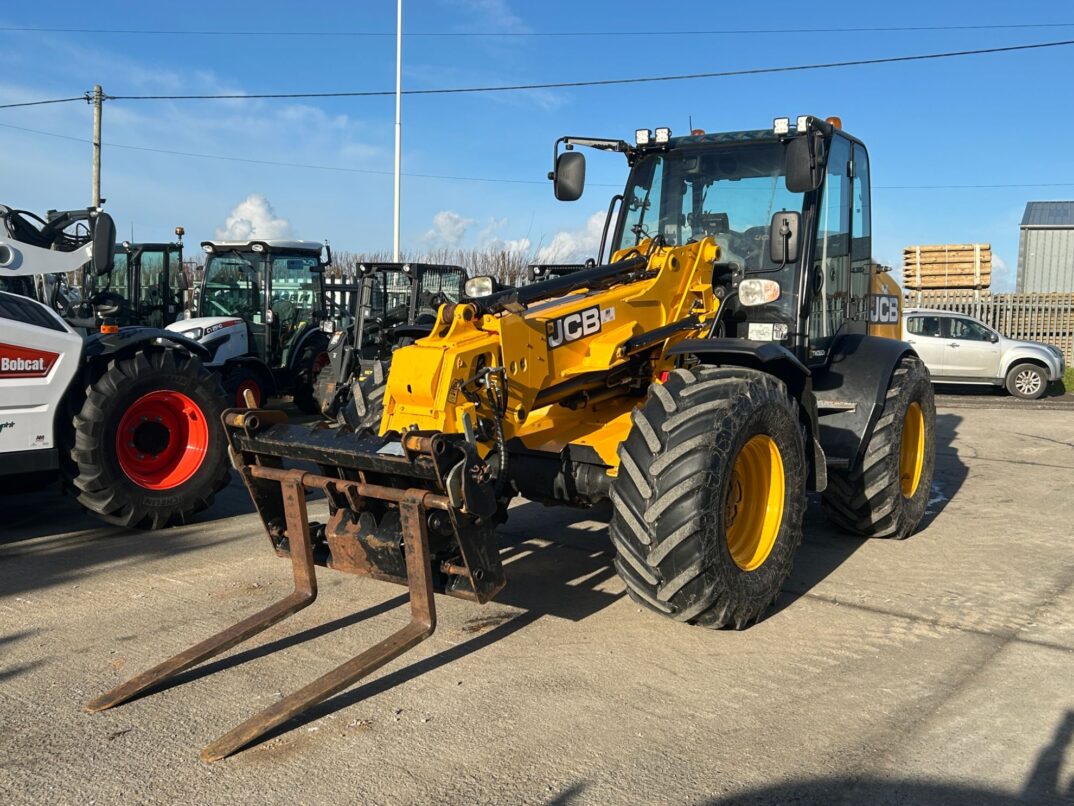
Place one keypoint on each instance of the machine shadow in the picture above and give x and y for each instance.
(825, 547)
(1043, 786)
(557, 579)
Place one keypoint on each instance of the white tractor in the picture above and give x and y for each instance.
(259, 311)
(128, 416)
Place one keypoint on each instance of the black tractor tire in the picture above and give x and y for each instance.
(313, 360)
(240, 377)
(679, 493)
(880, 496)
(173, 459)
(373, 395)
(1027, 381)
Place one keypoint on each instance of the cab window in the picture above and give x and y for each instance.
(928, 326)
(967, 330)
(831, 258)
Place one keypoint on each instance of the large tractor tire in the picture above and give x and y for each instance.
(314, 359)
(149, 448)
(886, 494)
(708, 503)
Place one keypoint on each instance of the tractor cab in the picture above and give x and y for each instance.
(395, 304)
(146, 286)
(789, 208)
(259, 309)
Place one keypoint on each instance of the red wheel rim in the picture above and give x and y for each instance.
(162, 440)
(240, 392)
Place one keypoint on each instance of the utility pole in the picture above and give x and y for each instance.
(98, 102)
(398, 119)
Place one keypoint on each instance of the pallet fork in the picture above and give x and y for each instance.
(350, 542)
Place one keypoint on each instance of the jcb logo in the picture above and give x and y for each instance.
(573, 326)
(884, 309)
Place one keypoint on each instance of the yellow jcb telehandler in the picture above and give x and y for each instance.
(736, 350)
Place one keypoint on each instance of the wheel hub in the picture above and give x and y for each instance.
(754, 507)
(912, 450)
(1027, 382)
(162, 440)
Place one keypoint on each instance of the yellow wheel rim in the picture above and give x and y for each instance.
(755, 502)
(912, 450)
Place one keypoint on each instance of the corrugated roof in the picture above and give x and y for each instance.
(1049, 214)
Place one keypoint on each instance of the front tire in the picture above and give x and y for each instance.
(708, 502)
(149, 448)
(1027, 381)
(887, 493)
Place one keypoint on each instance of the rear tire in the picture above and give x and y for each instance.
(149, 448)
(694, 539)
(1027, 381)
(887, 493)
(314, 359)
(240, 377)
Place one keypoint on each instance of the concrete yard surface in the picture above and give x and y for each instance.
(939, 669)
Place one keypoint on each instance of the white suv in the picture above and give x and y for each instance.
(960, 349)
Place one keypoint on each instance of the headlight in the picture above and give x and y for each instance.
(758, 292)
(194, 333)
(479, 286)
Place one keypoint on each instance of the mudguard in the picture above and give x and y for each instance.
(103, 345)
(850, 393)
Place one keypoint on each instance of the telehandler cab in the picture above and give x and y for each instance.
(735, 352)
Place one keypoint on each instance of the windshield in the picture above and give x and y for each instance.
(730, 193)
(233, 285)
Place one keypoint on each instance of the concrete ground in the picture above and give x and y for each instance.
(935, 670)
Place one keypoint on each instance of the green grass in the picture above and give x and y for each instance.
(1068, 381)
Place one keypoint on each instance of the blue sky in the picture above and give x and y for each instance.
(998, 119)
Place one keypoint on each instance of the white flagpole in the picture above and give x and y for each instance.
(398, 119)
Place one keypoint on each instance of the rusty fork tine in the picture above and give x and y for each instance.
(421, 626)
(304, 594)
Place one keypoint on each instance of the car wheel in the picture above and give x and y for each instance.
(1027, 381)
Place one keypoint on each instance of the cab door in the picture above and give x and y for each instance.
(925, 333)
(970, 351)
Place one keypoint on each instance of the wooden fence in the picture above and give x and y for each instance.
(1047, 318)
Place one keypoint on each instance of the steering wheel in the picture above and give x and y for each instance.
(284, 311)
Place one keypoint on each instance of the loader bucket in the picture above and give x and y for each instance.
(413, 510)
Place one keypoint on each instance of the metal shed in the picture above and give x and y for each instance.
(1046, 247)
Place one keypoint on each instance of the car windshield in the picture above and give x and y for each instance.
(232, 285)
(730, 193)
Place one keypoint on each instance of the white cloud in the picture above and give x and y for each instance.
(448, 229)
(254, 217)
(574, 245)
(488, 238)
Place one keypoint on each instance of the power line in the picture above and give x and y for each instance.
(542, 34)
(41, 103)
(609, 81)
(310, 166)
(570, 84)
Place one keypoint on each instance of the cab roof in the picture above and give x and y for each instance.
(275, 245)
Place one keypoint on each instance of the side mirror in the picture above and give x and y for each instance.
(183, 284)
(104, 244)
(783, 237)
(568, 179)
(994, 338)
(328, 254)
(804, 163)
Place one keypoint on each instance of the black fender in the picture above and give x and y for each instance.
(850, 393)
(311, 333)
(130, 339)
(775, 359)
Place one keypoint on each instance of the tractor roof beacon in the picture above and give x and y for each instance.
(731, 353)
(396, 304)
(259, 310)
(130, 418)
